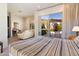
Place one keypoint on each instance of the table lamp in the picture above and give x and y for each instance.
(76, 29)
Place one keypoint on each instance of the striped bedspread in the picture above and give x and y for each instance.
(44, 46)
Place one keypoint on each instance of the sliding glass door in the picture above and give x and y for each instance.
(51, 25)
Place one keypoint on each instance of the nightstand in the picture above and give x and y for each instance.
(1, 44)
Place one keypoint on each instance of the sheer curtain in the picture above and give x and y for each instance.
(70, 18)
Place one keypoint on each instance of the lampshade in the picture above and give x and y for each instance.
(75, 28)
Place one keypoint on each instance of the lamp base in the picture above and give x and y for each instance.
(77, 33)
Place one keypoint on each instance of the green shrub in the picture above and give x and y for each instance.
(43, 32)
(59, 27)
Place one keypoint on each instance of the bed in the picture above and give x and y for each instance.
(44, 46)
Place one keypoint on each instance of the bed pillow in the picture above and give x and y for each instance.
(26, 34)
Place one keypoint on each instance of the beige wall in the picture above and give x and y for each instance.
(27, 21)
(3, 24)
(19, 20)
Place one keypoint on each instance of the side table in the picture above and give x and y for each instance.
(1, 44)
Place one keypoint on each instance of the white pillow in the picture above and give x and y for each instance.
(26, 34)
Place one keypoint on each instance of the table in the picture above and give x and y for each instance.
(1, 44)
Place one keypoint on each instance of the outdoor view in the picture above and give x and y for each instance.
(51, 23)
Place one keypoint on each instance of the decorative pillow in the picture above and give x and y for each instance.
(26, 34)
(71, 37)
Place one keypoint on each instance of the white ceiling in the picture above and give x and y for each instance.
(27, 9)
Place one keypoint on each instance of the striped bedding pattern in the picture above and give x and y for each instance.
(44, 46)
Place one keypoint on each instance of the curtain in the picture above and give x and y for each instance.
(70, 18)
(77, 13)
